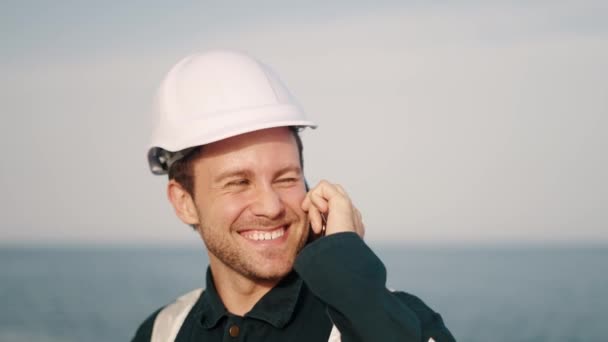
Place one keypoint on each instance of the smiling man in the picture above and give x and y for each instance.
(285, 263)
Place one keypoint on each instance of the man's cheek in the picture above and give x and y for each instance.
(223, 212)
(294, 197)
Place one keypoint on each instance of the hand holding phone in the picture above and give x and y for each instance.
(330, 210)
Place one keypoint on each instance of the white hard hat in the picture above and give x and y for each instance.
(216, 95)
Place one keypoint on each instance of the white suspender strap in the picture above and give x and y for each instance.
(334, 335)
(170, 319)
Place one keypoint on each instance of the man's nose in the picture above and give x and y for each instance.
(267, 202)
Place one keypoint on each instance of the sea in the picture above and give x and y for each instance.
(512, 293)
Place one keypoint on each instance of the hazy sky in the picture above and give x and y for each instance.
(477, 122)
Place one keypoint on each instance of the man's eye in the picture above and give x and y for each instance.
(238, 182)
(287, 180)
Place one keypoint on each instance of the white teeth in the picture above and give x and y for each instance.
(260, 236)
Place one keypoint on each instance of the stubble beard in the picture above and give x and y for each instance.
(221, 245)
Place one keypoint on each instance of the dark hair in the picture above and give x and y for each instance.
(181, 170)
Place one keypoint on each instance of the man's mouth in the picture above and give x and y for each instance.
(264, 235)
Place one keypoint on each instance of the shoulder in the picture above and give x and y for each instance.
(144, 331)
(166, 321)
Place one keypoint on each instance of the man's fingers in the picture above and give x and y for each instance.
(316, 221)
(332, 201)
(319, 202)
(341, 190)
(315, 206)
(325, 194)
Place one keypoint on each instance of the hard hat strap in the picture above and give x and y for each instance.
(168, 158)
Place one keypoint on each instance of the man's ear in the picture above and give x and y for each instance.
(182, 202)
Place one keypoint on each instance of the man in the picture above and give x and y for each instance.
(285, 263)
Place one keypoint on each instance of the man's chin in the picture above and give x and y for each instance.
(271, 271)
(272, 264)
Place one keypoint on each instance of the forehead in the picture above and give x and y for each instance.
(268, 146)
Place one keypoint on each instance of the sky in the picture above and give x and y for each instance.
(475, 122)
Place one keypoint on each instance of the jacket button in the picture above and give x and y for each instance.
(234, 331)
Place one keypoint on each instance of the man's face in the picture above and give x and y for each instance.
(248, 191)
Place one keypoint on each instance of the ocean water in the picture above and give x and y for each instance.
(502, 294)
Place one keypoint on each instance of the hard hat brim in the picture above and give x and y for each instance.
(249, 121)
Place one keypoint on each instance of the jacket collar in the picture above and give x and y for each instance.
(276, 307)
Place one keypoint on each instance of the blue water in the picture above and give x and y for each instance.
(505, 294)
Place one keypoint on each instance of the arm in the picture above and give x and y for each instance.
(344, 272)
(144, 331)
